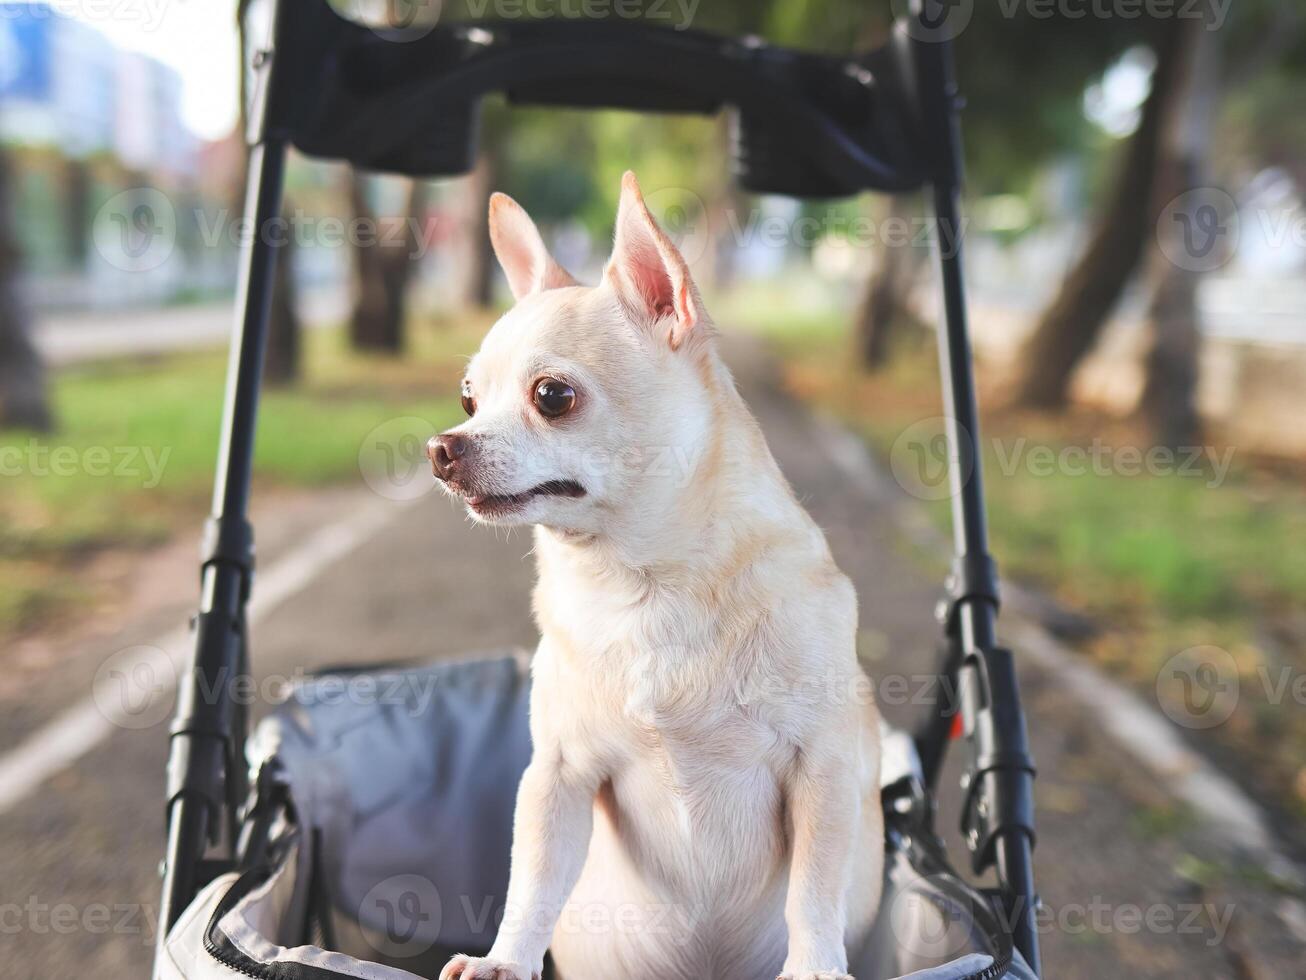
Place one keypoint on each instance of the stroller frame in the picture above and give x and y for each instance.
(806, 125)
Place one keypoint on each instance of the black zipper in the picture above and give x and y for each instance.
(226, 952)
(228, 955)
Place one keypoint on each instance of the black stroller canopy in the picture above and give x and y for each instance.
(806, 125)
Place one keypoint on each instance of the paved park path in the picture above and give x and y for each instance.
(73, 337)
(1132, 887)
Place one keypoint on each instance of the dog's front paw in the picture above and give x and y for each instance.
(474, 968)
(814, 975)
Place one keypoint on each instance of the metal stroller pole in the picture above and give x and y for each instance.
(205, 764)
(998, 810)
(998, 817)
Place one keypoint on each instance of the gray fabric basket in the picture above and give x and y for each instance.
(382, 834)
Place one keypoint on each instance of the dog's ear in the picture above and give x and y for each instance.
(647, 271)
(520, 250)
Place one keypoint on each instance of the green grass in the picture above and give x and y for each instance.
(133, 458)
(1173, 543)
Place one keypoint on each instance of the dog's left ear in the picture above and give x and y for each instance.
(521, 251)
(647, 271)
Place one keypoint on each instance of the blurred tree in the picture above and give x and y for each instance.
(24, 401)
(282, 360)
(383, 266)
(1070, 326)
(1169, 400)
(885, 309)
(478, 281)
(1262, 36)
(384, 262)
(76, 180)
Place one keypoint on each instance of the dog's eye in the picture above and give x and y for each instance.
(469, 403)
(554, 398)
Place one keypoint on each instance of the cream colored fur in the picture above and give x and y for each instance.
(703, 799)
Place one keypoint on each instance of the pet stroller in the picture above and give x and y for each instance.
(290, 854)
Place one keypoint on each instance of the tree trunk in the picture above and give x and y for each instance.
(725, 215)
(282, 359)
(479, 278)
(24, 402)
(77, 209)
(382, 269)
(478, 284)
(885, 308)
(1189, 235)
(1169, 392)
(1069, 327)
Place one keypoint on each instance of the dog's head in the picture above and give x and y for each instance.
(589, 408)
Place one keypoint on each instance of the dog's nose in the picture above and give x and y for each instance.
(444, 452)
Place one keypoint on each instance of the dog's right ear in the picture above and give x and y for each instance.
(520, 250)
(650, 276)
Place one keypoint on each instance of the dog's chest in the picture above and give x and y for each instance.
(695, 776)
(694, 759)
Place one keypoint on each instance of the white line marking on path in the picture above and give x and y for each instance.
(61, 742)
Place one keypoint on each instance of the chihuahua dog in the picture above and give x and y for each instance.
(702, 799)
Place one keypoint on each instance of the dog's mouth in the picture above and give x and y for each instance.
(489, 505)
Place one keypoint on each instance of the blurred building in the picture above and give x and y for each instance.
(83, 120)
(64, 85)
